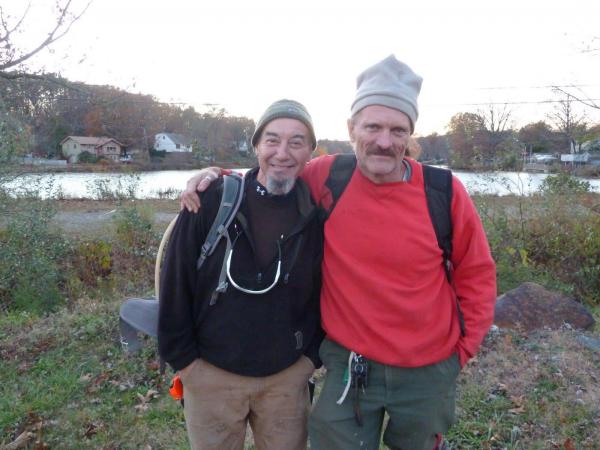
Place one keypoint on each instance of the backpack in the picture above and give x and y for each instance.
(438, 192)
(231, 199)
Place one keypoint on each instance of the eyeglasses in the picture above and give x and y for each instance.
(248, 291)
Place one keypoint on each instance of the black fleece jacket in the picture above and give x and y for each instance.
(247, 334)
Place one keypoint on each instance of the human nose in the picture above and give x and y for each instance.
(282, 150)
(384, 139)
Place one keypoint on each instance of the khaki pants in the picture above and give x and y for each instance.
(219, 404)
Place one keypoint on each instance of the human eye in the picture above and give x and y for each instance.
(296, 143)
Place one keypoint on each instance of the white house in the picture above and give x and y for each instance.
(73, 146)
(581, 158)
(171, 142)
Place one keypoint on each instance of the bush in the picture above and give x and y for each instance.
(87, 158)
(157, 153)
(92, 262)
(565, 241)
(563, 183)
(31, 272)
(553, 240)
(135, 246)
(133, 226)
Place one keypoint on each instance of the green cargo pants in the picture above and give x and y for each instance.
(419, 401)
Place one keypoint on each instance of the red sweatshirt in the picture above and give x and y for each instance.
(385, 293)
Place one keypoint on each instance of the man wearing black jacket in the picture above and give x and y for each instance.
(246, 358)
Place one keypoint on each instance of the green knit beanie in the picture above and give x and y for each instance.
(288, 109)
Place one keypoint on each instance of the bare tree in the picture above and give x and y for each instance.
(495, 118)
(13, 59)
(566, 120)
(496, 122)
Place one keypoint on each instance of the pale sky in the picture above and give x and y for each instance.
(244, 54)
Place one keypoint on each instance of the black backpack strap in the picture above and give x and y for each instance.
(230, 203)
(340, 172)
(438, 191)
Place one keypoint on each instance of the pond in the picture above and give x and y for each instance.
(169, 183)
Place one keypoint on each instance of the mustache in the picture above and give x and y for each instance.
(378, 151)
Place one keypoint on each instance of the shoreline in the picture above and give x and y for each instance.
(592, 173)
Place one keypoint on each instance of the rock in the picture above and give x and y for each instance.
(590, 343)
(531, 306)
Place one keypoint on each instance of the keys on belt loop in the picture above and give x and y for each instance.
(359, 379)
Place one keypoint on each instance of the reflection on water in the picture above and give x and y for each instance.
(170, 183)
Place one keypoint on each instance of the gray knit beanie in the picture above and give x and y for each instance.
(389, 83)
(288, 109)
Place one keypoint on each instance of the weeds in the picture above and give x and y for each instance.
(124, 188)
(551, 238)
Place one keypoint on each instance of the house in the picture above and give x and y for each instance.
(575, 158)
(578, 159)
(171, 142)
(73, 146)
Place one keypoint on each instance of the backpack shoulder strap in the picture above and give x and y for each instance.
(340, 172)
(231, 200)
(438, 191)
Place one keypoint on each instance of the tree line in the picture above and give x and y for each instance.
(485, 138)
(50, 108)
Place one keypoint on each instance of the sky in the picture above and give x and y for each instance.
(242, 55)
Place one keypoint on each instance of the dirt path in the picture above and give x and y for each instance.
(89, 218)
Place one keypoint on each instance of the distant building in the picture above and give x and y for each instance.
(171, 142)
(73, 146)
(575, 158)
(544, 158)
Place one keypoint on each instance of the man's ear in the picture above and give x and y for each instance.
(350, 124)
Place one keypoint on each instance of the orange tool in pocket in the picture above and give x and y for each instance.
(176, 388)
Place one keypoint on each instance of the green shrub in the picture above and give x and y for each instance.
(563, 183)
(135, 245)
(565, 241)
(157, 153)
(553, 240)
(87, 158)
(31, 271)
(93, 261)
(133, 228)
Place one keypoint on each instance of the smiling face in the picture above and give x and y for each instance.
(283, 150)
(380, 137)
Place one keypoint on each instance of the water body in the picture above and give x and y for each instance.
(170, 183)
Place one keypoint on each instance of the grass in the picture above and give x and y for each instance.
(66, 381)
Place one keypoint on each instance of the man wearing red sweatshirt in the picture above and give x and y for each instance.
(392, 318)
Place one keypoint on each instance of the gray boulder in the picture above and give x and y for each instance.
(531, 307)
